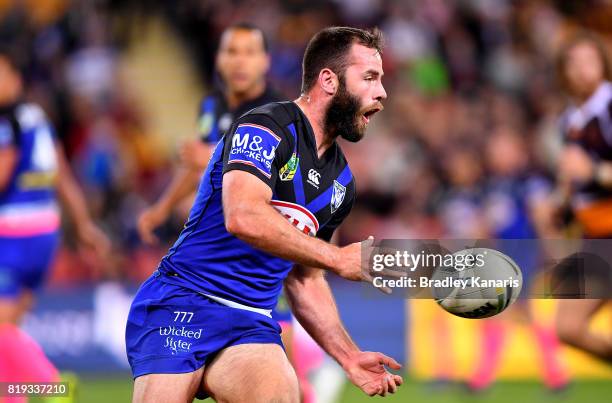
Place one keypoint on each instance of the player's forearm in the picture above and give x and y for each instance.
(313, 305)
(263, 227)
(184, 182)
(69, 192)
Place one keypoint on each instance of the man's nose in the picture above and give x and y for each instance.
(380, 94)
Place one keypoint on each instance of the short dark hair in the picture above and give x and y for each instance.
(247, 26)
(329, 48)
(577, 39)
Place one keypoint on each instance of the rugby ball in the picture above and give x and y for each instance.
(478, 283)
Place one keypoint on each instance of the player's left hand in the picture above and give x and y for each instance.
(92, 237)
(367, 371)
(194, 154)
(576, 165)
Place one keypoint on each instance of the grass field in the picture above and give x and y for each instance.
(118, 390)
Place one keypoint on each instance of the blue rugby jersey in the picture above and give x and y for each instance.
(215, 117)
(27, 205)
(275, 143)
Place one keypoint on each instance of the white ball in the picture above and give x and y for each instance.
(482, 289)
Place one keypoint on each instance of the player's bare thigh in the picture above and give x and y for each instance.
(251, 373)
(167, 388)
(573, 315)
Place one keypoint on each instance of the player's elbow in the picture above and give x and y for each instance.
(301, 278)
(238, 222)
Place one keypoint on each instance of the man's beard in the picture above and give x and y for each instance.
(342, 116)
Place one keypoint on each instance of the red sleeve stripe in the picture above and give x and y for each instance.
(267, 175)
(260, 127)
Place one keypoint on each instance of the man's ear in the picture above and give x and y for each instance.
(217, 62)
(267, 63)
(328, 80)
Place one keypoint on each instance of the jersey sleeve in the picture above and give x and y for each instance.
(256, 144)
(8, 137)
(327, 231)
(207, 126)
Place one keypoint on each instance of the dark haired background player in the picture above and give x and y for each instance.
(274, 191)
(33, 170)
(585, 175)
(242, 63)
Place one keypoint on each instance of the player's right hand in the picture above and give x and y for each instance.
(150, 219)
(355, 264)
(93, 237)
(351, 265)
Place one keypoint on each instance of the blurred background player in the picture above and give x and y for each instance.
(33, 170)
(516, 207)
(242, 63)
(585, 174)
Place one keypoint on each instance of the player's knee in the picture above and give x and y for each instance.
(281, 389)
(171, 388)
(285, 393)
(267, 394)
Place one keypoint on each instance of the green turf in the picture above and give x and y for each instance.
(506, 392)
(119, 390)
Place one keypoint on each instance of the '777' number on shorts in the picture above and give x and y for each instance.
(183, 315)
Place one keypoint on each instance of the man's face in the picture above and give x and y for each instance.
(359, 96)
(242, 60)
(505, 152)
(583, 69)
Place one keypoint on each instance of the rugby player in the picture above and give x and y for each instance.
(242, 63)
(33, 170)
(276, 188)
(585, 173)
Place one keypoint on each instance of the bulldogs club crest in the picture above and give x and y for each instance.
(337, 198)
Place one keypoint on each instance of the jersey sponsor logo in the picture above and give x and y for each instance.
(175, 335)
(338, 193)
(314, 178)
(205, 124)
(298, 216)
(225, 121)
(254, 145)
(175, 338)
(287, 172)
(33, 180)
